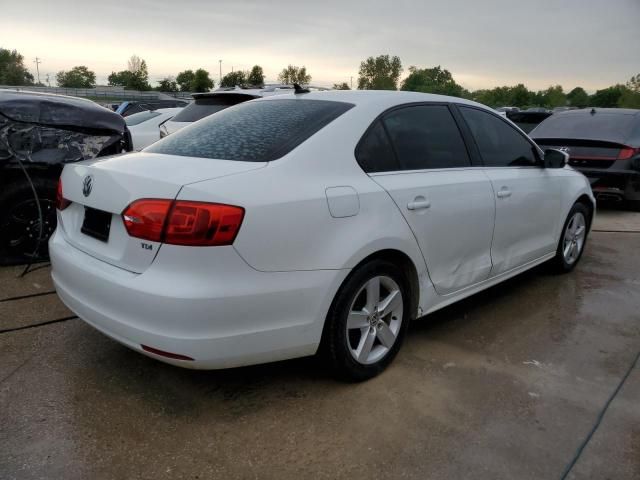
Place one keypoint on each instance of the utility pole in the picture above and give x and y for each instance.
(38, 61)
(351, 83)
(48, 82)
(220, 62)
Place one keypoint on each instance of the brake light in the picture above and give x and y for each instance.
(146, 218)
(182, 222)
(61, 202)
(628, 152)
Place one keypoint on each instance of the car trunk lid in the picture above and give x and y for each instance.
(100, 190)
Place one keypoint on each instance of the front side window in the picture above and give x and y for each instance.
(426, 137)
(258, 131)
(500, 145)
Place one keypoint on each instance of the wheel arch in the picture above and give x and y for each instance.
(590, 206)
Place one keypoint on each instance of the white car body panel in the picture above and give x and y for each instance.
(455, 226)
(145, 133)
(266, 297)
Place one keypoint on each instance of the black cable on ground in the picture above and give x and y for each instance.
(31, 295)
(48, 322)
(584, 443)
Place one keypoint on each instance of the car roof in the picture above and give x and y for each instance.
(384, 98)
(596, 110)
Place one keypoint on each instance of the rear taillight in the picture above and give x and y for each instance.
(61, 202)
(182, 222)
(145, 218)
(628, 152)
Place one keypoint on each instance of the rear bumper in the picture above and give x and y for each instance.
(622, 183)
(201, 303)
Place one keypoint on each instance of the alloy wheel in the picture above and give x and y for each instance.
(574, 236)
(374, 320)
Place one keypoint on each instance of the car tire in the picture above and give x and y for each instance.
(19, 221)
(573, 239)
(353, 326)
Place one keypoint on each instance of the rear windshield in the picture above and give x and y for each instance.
(203, 107)
(258, 131)
(138, 118)
(612, 127)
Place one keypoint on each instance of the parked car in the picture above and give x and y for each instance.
(529, 119)
(602, 143)
(39, 133)
(507, 109)
(145, 126)
(129, 108)
(205, 104)
(322, 221)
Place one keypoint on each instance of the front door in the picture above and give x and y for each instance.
(528, 196)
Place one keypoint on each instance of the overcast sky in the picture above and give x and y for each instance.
(484, 43)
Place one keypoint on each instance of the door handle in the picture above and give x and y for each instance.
(504, 192)
(418, 204)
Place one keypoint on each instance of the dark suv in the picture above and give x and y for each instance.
(604, 144)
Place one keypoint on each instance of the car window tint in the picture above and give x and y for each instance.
(138, 118)
(500, 144)
(426, 136)
(258, 131)
(374, 152)
(203, 107)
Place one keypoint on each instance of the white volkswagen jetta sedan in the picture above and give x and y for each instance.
(310, 222)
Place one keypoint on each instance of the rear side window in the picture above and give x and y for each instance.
(138, 118)
(258, 131)
(374, 152)
(425, 137)
(500, 144)
(203, 107)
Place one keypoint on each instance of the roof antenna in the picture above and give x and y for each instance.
(593, 111)
(299, 89)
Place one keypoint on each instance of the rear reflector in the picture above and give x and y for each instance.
(162, 353)
(628, 152)
(61, 202)
(181, 222)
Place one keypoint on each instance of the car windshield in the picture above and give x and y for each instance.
(258, 131)
(203, 107)
(612, 127)
(138, 118)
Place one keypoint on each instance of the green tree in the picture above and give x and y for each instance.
(578, 97)
(12, 69)
(634, 83)
(630, 97)
(201, 81)
(232, 79)
(136, 77)
(293, 74)
(341, 86)
(380, 73)
(256, 76)
(185, 79)
(167, 84)
(553, 97)
(608, 97)
(431, 80)
(77, 77)
(519, 96)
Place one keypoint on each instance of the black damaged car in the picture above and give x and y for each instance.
(602, 143)
(39, 133)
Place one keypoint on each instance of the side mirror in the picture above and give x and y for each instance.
(555, 158)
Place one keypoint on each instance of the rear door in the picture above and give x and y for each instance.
(417, 154)
(528, 197)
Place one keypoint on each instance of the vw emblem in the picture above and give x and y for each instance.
(565, 150)
(87, 185)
